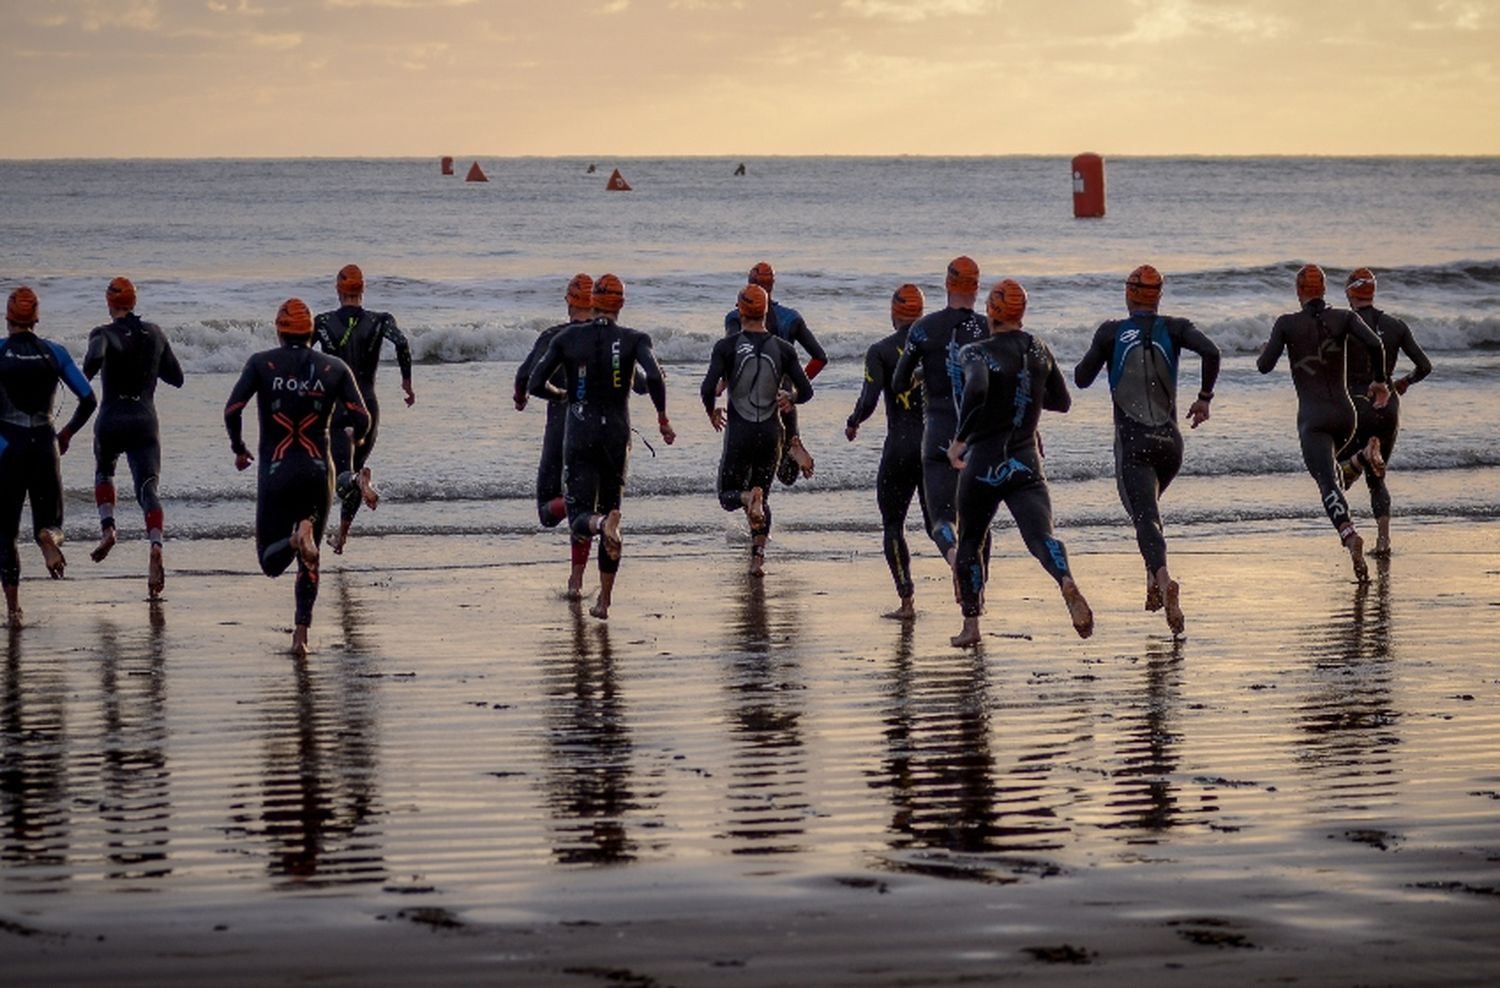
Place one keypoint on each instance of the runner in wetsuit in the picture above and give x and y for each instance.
(132, 356)
(1007, 380)
(297, 391)
(1141, 353)
(30, 370)
(754, 364)
(1369, 452)
(356, 335)
(933, 343)
(1317, 339)
(900, 473)
(600, 358)
(787, 323)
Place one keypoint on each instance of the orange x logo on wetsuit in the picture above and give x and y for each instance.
(294, 433)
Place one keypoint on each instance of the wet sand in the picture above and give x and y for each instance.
(471, 781)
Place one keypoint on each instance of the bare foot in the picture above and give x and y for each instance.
(1153, 596)
(367, 489)
(1356, 547)
(13, 618)
(906, 612)
(156, 573)
(306, 543)
(572, 593)
(339, 537)
(755, 507)
(1382, 548)
(610, 533)
(1175, 620)
(106, 543)
(299, 641)
(1078, 608)
(51, 554)
(600, 609)
(758, 560)
(802, 456)
(968, 637)
(1373, 457)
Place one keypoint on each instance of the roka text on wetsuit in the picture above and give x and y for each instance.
(1008, 379)
(599, 359)
(933, 343)
(900, 472)
(1383, 423)
(297, 392)
(753, 365)
(131, 356)
(30, 370)
(1316, 339)
(1142, 354)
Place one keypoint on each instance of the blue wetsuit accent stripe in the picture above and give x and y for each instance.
(68, 371)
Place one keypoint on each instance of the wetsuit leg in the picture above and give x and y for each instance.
(613, 461)
(145, 471)
(44, 482)
(977, 502)
(106, 458)
(752, 451)
(1146, 461)
(12, 497)
(285, 499)
(899, 477)
(550, 507)
(1318, 449)
(1030, 505)
(349, 461)
(1385, 429)
(367, 445)
(940, 482)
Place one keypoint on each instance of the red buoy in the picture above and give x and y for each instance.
(447, 165)
(617, 182)
(476, 174)
(1088, 186)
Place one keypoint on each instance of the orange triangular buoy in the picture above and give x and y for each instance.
(617, 182)
(447, 165)
(476, 174)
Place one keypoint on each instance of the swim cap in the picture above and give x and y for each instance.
(293, 319)
(963, 275)
(21, 307)
(752, 302)
(351, 280)
(1143, 288)
(609, 294)
(907, 302)
(120, 295)
(763, 275)
(1361, 284)
(581, 292)
(1310, 282)
(1007, 301)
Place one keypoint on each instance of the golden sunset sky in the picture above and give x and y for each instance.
(386, 78)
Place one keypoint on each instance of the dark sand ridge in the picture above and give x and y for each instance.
(469, 783)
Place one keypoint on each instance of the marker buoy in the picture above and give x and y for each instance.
(1088, 186)
(476, 174)
(741, 169)
(617, 182)
(447, 165)
(591, 169)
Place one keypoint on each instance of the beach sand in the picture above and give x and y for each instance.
(471, 781)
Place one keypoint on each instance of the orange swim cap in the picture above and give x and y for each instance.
(120, 295)
(763, 275)
(1361, 284)
(1007, 301)
(907, 302)
(351, 280)
(609, 294)
(752, 302)
(581, 292)
(1310, 282)
(1143, 288)
(293, 319)
(963, 275)
(21, 307)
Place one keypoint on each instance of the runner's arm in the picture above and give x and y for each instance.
(1193, 339)
(1421, 366)
(976, 376)
(656, 385)
(79, 385)
(1055, 397)
(817, 357)
(169, 370)
(1270, 352)
(1097, 356)
(869, 392)
(539, 382)
(910, 359)
(239, 397)
(93, 357)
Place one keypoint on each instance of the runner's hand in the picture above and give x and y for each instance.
(1379, 394)
(411, 396)
(850, 431)
(1198, 413)
(1402, 383)
(243, 460)
(784, 401)
(667, 432)
(520, 401)
(64, 439)
(716, 417)
(956, 450)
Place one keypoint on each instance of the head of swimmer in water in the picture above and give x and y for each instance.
(962, 282)
(1310, 283)
(906, 306)
(1143, 290)
(580, 298)
(350, 285)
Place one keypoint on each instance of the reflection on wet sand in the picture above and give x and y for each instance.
(35, 797)
(767, 792)
(1144, 799)
(589, 769)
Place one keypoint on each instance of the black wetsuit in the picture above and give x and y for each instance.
(1142, 355)
(1396, 338)
(599, 359)
(933, 344)
(900, 473)
(30, 370)
(787, 323)
(1316, 338)
(1007, 381)
(132, 356)
(356, 335)
(754, 366)
(297, 392)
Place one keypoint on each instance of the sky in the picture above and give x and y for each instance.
(399, 78)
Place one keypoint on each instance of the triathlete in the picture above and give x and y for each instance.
(1142, 354)
(356, 335)
(932, 344)
(30, 370)
(297, 391)
(1317, 338)
(900, 473)
(788, 324)
(754, 364)
(599, 359)
(1369, 452)
(131, 355)
(1007, 380)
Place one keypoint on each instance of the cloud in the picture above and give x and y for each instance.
(400, 4)
(138, 15)
(912, 11)
(284, 41)
(615, 7)
(1172, 20)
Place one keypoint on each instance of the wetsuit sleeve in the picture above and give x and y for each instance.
(244, 390)
(976, 377)
(523, 372)
(638, 381)
(717, 371)
(869, 394)
(79, 385)
(1194, 340)
(169, 370)
(392, 332)
(1055, 397)
(541, 372)
(1097, 356)
(1271, 352)
(911, 356)
(817, 356)
(1355, 326)
(1420, 364)
(354, 404)
(801, 385)
(656, 385)
(323, 332)
(93, 357)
